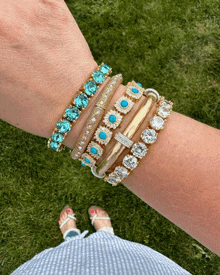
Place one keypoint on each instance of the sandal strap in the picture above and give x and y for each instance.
(95, 217)
(69, 216)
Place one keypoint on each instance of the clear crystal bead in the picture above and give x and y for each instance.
(139, 150)
(122, 172)
(82, 142)
(157, 123)
(166, 105)
(163, 112)
(130, 162)
(87, 132)
(149, 136)
(93, 119)
(113, 178)
(90, 126)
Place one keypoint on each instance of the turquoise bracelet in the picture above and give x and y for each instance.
(112, 120)
(78, 104)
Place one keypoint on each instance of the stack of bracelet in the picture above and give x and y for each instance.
(139, 149)
(76, 106)
(112, 120)
(95, 117)
(99, 127)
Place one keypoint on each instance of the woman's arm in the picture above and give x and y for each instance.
(44, 59)
(180, 178)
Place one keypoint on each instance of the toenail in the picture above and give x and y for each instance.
(92, 211)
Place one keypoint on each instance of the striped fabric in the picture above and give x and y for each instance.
(99, 254)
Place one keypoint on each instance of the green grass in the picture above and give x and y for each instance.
(171, 46)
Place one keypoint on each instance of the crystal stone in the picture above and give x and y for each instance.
(166, 105)
(163, 112)
(58, 137)
(130, 162)
(98, 77)
(149, 136)
(122, 172)
(81, 100)
(54, 145)
(157, 123)
(90, 88)
(113, 178)
(63, 126)
(139, 150)
(104, 69)
(72, 113)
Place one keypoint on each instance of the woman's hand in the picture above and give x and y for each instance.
(44, 59)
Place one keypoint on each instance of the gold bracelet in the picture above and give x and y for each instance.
(112, 119)
(139, 149)
(124, 139)
(95, 117)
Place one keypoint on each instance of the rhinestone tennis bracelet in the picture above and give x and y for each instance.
(77, 105)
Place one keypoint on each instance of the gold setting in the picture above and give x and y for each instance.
(115, 124)
(99, 149)
(105, 130)
(87, 160)
(132, 85)
(125, 109)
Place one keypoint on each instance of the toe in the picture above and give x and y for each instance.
(63, 215)
(92, 208)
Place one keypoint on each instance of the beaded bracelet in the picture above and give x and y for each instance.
(95, 117)
(112, 119)
(139, 149)
(79, 103)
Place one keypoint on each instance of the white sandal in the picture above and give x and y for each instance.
(69, 217)
(108, 229)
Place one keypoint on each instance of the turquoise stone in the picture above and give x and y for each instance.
(112, 118)
(94, 150)
(58, 137)
(139, 84)
(81, 101)
(72, 113)
(124, 103)
(90, 88)
(63, 126)
(102, 135)
(135, 91)
(104, 69)
(98, 77)
(87, 160)
(54, 145)
(83, 164)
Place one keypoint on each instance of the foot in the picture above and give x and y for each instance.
(100, 213)
(71, 224)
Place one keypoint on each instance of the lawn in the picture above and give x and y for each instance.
(171, 46)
